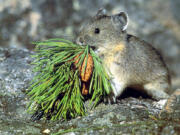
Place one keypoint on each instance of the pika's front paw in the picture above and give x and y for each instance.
(110, 99)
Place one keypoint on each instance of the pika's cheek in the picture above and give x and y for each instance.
(87, 38)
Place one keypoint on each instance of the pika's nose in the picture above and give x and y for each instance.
(80, 41)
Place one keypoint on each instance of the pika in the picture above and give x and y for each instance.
(129, 61)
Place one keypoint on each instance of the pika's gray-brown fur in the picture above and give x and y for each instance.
(130, 61)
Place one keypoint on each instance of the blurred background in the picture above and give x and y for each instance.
(155, 21)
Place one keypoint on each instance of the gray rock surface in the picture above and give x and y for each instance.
(24, 21)
(129, 116)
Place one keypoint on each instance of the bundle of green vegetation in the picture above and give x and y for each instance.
(65, 74)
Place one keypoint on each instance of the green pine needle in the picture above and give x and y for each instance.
(56, 88)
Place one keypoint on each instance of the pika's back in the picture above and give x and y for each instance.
(144, 61)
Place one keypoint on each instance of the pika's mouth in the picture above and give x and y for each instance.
(93, 47)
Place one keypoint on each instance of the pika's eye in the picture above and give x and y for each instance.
(97, 31)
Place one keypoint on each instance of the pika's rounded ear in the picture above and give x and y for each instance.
(120, 20)
(101, 12)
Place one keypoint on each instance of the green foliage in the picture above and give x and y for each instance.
(56, 88)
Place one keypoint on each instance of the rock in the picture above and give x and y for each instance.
(129, 116)
(22, 22)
